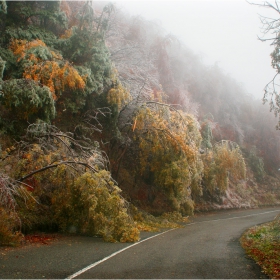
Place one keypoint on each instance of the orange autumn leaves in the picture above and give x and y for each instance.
(20, 47)
(47, 67)
(54, 76)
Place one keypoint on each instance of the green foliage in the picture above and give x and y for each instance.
(206, 133)
(27, 100)
(2, 67)
(44, 14)
(10, 68)
(42, 61)
(3, 7)
(87, 48)
(29, 33)
(257, 164)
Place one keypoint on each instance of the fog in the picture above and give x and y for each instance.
(223, 32)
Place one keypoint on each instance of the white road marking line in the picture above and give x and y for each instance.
(112, 255)
(231, 218)
(134, 244)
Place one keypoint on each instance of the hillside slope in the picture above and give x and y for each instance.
(105, 119)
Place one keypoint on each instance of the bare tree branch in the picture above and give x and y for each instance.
(55, 165)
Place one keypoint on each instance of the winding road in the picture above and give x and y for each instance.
(207, 247)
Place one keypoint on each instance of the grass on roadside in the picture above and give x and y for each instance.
(262, 243)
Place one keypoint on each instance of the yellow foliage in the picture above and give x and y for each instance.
(107, 215)
(157, 95)
(88, 203)
(147, 222)
(67, 34)
(167, 134)
(222, 163)
(118, 95)
(56, 55)
(169, 144)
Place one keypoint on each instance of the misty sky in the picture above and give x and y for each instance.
(220, 31)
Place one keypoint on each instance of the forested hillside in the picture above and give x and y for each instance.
(106, 120)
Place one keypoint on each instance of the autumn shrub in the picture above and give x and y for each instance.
(73, 82)
(118, 95)
(169, 156)
(69, 188)
(64, 174)
(221, 164)
(14, 199)
(187, 207)
(46, 66)
(147, 222)
(94, 206)
(9, 228)
(175, 217)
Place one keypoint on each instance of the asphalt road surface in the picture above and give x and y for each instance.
(208, 247)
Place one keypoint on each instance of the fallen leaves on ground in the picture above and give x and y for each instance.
(262, 243)
(39, 238)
